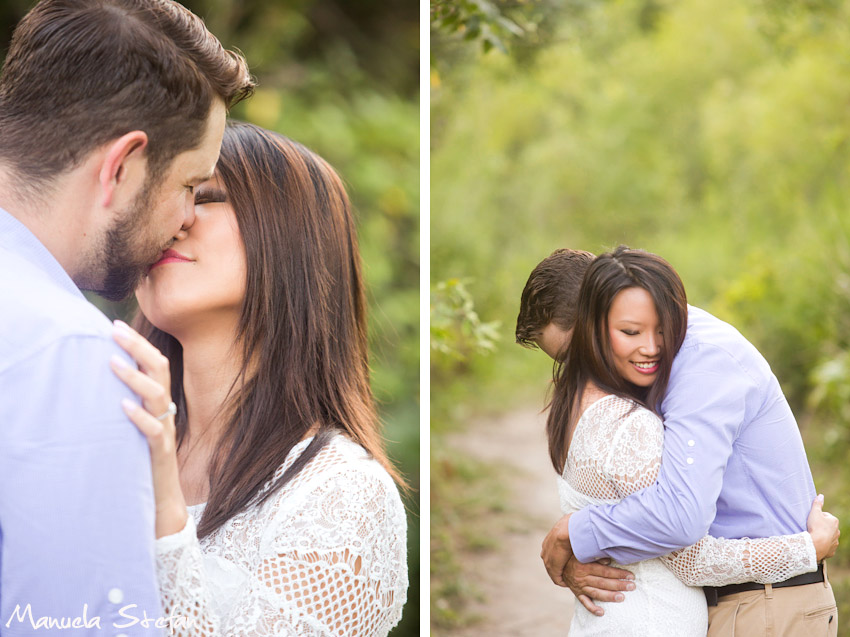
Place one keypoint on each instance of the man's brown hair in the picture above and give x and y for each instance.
(80, 73)
(550, 294)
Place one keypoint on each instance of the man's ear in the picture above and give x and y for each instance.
(123, 164)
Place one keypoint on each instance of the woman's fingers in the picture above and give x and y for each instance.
(152, 381)
(150, 359)
(152, 428)
(140, 383)
(824, 529)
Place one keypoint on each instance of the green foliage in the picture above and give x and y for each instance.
(477, 20)
(456, 331)
(831, 382)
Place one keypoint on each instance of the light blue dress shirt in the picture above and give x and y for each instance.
(76, 496)
(733, 465)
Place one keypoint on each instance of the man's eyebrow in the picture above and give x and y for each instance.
(203, 178)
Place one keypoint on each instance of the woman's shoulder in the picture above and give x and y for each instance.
(341, 487)
(619, 411)
(341, 464)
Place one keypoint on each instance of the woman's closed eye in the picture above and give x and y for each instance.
(209, 195)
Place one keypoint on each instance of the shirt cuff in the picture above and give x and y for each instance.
(184, 537)
(582, 538)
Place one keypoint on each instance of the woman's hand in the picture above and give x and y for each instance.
(824, 530)
(152, 383)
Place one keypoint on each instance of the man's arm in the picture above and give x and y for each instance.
(76, 500)
(709, 396)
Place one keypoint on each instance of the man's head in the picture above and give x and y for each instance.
(116, 92)
(547, 311)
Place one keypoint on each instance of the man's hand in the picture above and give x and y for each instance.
(557, 551)
(588, 582)
(597, 582)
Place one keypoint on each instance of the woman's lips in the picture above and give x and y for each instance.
(171, 256)
(645, 367)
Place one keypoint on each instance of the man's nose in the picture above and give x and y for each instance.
(189, 213)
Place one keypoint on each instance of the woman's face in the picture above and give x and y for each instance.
(200, 281)
(635, 334)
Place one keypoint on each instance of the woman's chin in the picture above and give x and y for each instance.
(167, 321)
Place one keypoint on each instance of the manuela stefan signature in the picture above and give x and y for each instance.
(129, 617)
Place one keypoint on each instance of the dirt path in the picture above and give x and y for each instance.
(519, 599)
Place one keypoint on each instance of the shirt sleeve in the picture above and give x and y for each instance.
(76, 496)
(337, 567)
(708, 398)
(633, 463)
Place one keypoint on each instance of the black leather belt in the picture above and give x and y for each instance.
(712, 593)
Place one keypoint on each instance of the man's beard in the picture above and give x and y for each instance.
(127, 250)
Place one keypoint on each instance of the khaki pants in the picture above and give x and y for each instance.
(794, 611)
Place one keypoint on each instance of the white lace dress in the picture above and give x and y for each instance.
(326, 555)
(615, 451)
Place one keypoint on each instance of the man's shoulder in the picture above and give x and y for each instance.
(710, 340)
(37, 313)
(706, 330)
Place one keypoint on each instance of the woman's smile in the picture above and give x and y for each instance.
(171, 256)
(646, 367)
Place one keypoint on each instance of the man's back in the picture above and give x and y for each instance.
(767, 487)
(76, 502)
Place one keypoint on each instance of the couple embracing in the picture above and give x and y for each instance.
(679, 462)
(217, 469)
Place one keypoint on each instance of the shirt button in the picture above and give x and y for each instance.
(116, 595)
(691, 443)
(690, 460)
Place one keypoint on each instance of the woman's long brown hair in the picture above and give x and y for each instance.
(302, 330)
(589, 358)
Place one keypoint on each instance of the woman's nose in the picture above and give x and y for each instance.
(651, 346)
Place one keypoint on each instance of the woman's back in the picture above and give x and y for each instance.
(615, 451)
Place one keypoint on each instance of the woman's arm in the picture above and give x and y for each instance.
(718, 561)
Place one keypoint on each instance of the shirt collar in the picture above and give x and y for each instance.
(18, 239)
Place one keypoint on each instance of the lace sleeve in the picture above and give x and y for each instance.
(633, 463)
(333, 565)
(182, 584)
(635, 453)
(718, 561)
